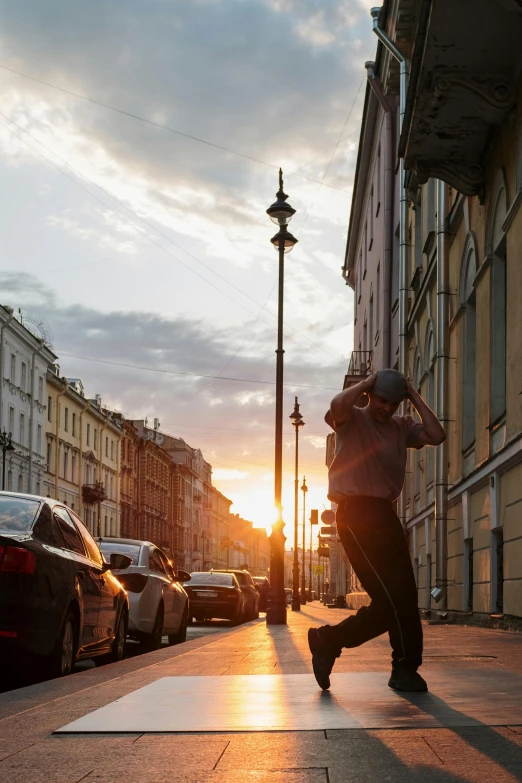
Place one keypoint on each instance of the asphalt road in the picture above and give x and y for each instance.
(9, 682)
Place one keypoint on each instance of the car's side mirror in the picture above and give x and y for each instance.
(117, 562)
(183, 576)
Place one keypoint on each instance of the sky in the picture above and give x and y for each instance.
(139, 149)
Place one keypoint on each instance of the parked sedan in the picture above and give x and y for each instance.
(158, 604)
(59, 602)
(214, 594)
(248, 589)
(262, 586)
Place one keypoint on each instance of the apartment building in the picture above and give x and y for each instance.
(453, 313)
(83, 443)
(24, 361)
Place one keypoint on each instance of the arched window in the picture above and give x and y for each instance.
(496, 252)
(467, 301)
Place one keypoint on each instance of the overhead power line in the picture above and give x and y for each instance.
(150, 225)
(191, 374)
(138, 117)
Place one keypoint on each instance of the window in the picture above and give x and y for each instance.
(467, 298)
(23, 380)
(90, 544)
(40, 389)
(13, 368)
(10, 480)
(155, 563)
(431, 205)
(72, 538)
(65, 463)
(73, 432)
(88, 434)
(106, 447)
(73, 469)
(49, 408)
(112, 449)
(20, 482)
(195, 541)
(498, 334)
(11, 420)
(95, 440)
(370, 347)
(371, 218)
(66, 420)
(22, 429)
(378, 168)
(49, 457)
(39, 439)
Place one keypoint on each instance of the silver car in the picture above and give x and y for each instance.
(158, 604)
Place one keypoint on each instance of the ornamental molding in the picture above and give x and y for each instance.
(488, 97)
(465, 176)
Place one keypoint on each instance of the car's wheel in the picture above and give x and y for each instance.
(237, 618)
(118, 645)
(181, 635)
(153, 640)
(61, 660)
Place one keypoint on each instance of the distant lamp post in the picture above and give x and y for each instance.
(304, 490)
(7, 445)
(280, 213)
(297, 423)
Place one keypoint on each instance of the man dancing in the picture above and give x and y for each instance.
(365, 478)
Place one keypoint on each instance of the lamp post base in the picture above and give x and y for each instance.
(296, 604)
(276, 613)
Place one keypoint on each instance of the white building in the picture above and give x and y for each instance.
(24, 361)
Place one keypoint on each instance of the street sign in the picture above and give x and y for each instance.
(314, 513)
(328, 516)
(323, 551)
(328, 531)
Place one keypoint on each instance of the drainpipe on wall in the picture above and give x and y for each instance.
(4, 326)
(403, 291)
(389, 168)
(441, 470)
(31, 413)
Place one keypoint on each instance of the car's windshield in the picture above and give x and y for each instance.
(131, 550)
(204, 578)
(17, 514)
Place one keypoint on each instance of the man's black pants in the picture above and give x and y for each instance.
(374, 541)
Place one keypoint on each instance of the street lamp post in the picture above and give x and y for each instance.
(7, 445)
(280, 213)
(304, 490)
(297, 423)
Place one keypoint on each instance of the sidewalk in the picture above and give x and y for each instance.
(30, 753)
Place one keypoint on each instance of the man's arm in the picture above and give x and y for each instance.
(342, 405)
(432, 432)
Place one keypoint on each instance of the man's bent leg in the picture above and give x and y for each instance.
(375, 544)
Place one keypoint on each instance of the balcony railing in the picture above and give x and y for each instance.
(93, 493)
(360, 367)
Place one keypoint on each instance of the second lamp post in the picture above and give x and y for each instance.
(297, 422)
(304, 490)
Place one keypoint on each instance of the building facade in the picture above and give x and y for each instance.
(24, 362)
(249, 546)
(83, 444)
(458, 281)
(130, 442)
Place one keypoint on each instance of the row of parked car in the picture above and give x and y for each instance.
(65, 597)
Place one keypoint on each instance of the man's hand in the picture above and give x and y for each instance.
(368, 383)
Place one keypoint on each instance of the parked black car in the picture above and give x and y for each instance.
(248, 589)
(262, 586)
(59, 601)
(214, 594)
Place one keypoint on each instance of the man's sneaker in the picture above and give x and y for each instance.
(323, 658)
(407, 680)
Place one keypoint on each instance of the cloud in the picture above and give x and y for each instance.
(224, 474)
